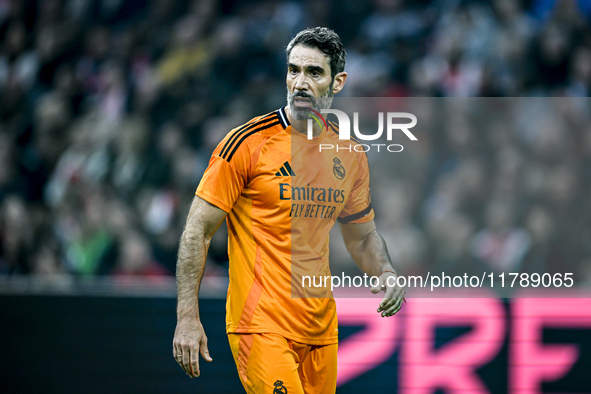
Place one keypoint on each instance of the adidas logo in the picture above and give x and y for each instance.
(285, 170)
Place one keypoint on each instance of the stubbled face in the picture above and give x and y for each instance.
(309, 83)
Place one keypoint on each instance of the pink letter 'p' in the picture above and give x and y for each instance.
(368, 348)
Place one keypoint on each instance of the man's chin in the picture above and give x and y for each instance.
(300, 113)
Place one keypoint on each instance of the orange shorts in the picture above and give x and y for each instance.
(272, 364)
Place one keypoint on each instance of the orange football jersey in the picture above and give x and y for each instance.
(283, 195)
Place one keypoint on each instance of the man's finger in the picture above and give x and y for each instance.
(394, 308)
(390, 297)
(186, 363)
(178, 356)
(204, 350)
(392, 294)
(176, 353)
(385, 303)
(179, 359)
(194, 366)
(397, 305)
(378, 288)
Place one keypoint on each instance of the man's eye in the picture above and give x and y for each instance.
(293, 71)
(315, 73)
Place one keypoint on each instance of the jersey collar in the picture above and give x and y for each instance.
(283, 117)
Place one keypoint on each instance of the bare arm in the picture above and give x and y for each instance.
(189, 338)
(369, 251)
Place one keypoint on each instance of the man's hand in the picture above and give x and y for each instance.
(369, 252)
(392, 301)
(189, 337)
(190, 340)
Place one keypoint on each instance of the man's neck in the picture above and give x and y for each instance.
(301, 126)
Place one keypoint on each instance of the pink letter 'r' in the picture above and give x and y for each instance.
(451, 367)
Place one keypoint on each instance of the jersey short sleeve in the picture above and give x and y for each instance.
(358, 207)
(225, 176)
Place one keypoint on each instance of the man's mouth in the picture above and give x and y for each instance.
(302, 101)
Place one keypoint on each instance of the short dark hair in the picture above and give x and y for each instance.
(327, 41)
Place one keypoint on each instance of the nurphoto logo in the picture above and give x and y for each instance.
(392, 125)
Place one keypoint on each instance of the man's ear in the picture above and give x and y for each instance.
(339, 82)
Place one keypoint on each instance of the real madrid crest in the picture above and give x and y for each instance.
(279, 388)
(337, 169)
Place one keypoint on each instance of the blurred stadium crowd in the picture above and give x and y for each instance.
(110, 110)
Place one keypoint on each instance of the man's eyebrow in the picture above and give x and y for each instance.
(308, 68)
(315, 68)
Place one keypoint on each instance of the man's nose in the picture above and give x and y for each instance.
(301, 82)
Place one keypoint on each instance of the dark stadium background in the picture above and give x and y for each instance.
(109, 111)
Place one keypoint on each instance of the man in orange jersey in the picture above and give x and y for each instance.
(280, 198)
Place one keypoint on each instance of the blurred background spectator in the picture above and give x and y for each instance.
(110, 110)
